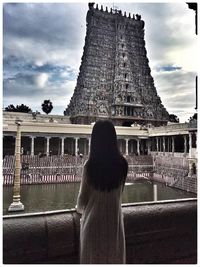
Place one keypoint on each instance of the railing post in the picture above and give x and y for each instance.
(157, 145)
(138, 146)
(47, 151)
(32, 145)
(164, 148)
(76, 146)
(155, 192)
(173, 145)
(127, 146)
(62, 145)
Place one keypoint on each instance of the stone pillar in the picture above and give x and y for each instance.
(47, 151)
(138, 146)
(89, 143)
(76, 146)
(172, 144)
(85, 146)
(168, 144)
(163, 144)
(157, 144)
(16, 205)
(148, 146)
(185, 145)
(190, 145)
(127, 146)
(155, 192)
(62, 145)
(32, 145)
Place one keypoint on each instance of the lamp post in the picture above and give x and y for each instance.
(16, 205)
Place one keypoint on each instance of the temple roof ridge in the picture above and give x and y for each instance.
(113, 11)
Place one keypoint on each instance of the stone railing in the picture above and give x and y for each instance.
(163, 232)
(61, 169)
(66, 160)
(174, 172)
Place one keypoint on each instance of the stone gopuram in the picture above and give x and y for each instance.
(115, 79)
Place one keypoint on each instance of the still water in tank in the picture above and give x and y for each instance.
(48, 197)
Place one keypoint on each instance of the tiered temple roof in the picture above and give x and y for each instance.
(115, 79)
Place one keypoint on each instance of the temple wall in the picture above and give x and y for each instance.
(162, 232)
(171, 170)
(62, 169)
(176, 172)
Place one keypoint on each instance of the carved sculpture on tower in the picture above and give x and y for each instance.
(115, 79)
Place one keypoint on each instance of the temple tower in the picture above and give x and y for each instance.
(115, 79)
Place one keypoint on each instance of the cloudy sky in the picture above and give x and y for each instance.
(43, 45)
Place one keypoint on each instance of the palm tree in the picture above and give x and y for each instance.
(47, 106)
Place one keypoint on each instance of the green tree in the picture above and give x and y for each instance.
(19, 108)
(173, 118)
(193, 118)
(47, 106)
(10, 108)
(65, 112)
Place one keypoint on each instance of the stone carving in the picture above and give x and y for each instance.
(115, 68)
(138, 17)
(102, 109)
(91, 5)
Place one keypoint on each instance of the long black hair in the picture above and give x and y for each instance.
(106, 168)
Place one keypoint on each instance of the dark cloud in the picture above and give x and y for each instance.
(46, 23)
(21, 79)
(24, 90)
(27, 85)
(44, 33)
(20, 85)
(171, 83)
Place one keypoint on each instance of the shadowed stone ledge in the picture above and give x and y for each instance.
(161, 232)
